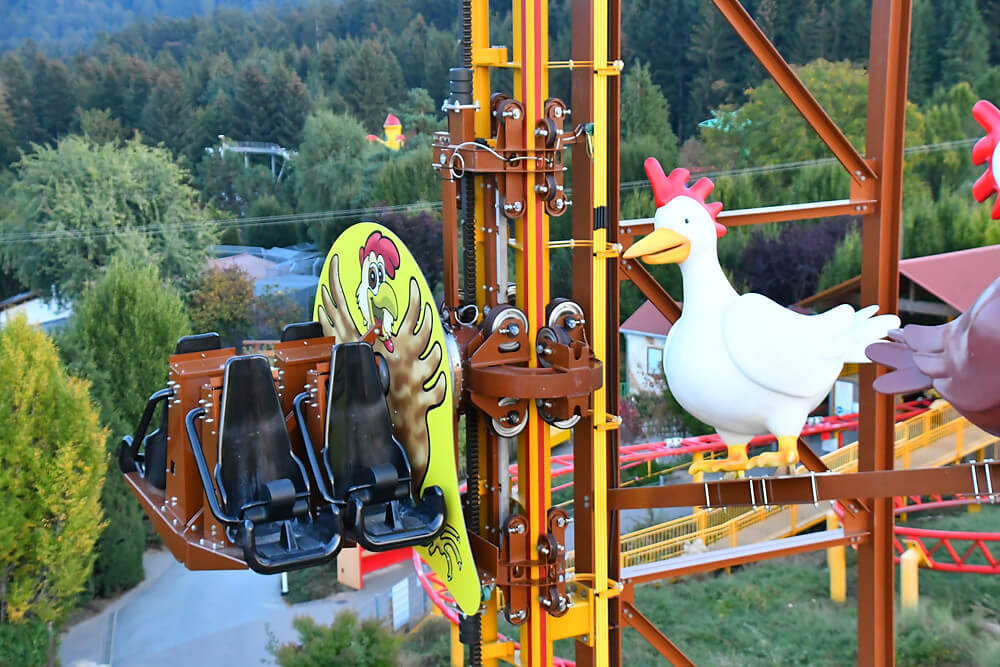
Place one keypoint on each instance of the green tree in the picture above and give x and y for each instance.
(76, 205)
(100, 127)
(222, 302)
(8, 142)
(166, 118)
(370, 81)
(122, 333)
(922, 53)
(407, 178)
(20, 100)
(966, 53)
(646, 127)
(328, 172)
(55, 97)
(51, 474)
(364, 644)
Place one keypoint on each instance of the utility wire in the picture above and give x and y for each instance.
(14, 238)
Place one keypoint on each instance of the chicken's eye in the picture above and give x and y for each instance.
(686, 221)
(372, 278)
(381, 273)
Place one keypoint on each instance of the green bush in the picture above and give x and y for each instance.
(345, 642)
(313, 583)
(932, 635)
(24, 644)
(51, 474)
(429, 645)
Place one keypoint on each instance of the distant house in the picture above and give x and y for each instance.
(645, 333)
(48, 315)
(293, 271)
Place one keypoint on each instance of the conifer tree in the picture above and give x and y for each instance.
(371, 81)
(52, 462)
(966, 52)
(166, 117)
(921, 50)
(122, 333)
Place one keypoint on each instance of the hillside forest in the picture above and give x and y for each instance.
(113, 188)
(316, 77)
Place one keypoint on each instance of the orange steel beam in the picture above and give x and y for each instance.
(651, 633)
(804, 489)
(794, 89)
(880, 231)
(765, 214)
(652, 290)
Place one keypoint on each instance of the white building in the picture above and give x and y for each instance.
(645, 333)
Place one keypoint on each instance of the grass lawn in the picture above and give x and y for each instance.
(780, 613)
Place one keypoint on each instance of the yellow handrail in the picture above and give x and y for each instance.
(703, 528)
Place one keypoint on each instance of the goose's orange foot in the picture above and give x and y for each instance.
(787, 454)
(736, 459)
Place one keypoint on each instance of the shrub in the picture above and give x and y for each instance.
(346, 642)
(51, 474)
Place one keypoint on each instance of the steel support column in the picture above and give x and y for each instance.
(887, 75)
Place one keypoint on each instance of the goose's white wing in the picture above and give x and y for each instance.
(784, 351)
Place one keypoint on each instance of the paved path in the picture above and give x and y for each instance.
(177, 617)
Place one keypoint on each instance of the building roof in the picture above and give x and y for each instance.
(646, 320)
(956, 278)
(255, 267)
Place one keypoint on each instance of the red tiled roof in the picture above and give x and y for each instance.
(957, 278)
(647, 319)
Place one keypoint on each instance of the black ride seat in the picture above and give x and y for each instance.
(367, 467)
(263, 486)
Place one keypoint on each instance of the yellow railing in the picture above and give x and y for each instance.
(704, 528)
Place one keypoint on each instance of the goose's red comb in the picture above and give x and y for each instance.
(989, 117)
(666, 188)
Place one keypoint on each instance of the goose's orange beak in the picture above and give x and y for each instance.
(662, 246)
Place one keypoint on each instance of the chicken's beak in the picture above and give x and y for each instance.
(662, 246)
(385, 298)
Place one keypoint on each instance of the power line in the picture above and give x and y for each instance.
(15, 238)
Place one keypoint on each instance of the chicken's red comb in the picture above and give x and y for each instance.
(989, 117)
(666, 188)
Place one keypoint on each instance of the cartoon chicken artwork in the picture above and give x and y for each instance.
(742, 363)
(394, 138)
(376, 298)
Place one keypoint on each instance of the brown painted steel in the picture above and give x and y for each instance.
(798, 490)
(652, 290)
(887, 76)
(766, 214)
(651, 633)
(813, 462)
(794, 89)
